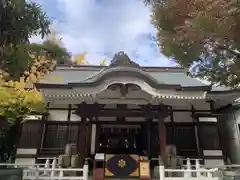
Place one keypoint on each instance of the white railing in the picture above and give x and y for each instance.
(198, 173)
(56, 174)
(50, 171)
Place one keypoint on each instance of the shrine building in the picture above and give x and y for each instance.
(127, 108)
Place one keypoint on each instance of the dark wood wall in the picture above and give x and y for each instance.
(51, 137)
(31, 134)
(58, 133)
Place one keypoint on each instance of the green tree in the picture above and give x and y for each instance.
(20, 20)
(201, 35)
(55, 49)
(20, 63)
(16, 103)
(57, 52)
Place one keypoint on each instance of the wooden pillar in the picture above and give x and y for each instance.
(93, 139)
(197, 133)
(149, 138)
(97, 139)
(44, 128)
(173, 137)
(149, 123)
(88, 138)
(162, 134)
(82, 144)
(68, 125)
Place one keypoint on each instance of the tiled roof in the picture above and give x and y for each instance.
(81, 74)
(121, 65)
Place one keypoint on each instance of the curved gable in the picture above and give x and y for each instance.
(122, 67)
(124, 71)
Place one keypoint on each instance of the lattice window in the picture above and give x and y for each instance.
(58, 135)
(209, 136)
(73, 134)
(31, 135)
(185, 139)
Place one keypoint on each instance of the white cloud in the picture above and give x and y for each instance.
(36, 39)
(101, 27)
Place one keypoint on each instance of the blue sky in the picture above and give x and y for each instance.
(104, 27)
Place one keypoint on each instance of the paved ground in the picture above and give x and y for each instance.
(91, 177)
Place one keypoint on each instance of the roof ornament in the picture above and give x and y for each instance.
(122, 59)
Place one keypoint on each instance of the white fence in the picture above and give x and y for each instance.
(55, 174)
(188, 172)
(51, 171)
(183, 174)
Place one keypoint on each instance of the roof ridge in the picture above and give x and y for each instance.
(95, 74)
(99, 68)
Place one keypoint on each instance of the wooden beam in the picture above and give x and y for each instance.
(189, 110)
(126, 113)
(153, 109)
(93, 110)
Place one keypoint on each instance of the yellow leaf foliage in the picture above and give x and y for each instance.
(103, 62)
(81, 59)
(16, 102)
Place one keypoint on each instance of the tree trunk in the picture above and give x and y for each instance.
(9, 139)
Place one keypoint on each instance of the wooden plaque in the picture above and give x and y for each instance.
(122, 166)
(144, 169)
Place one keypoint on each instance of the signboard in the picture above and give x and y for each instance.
(99, 156)
(121, 166)
(11, 174)
(144, 169)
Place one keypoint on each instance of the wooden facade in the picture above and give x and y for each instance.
(50, 136)
(125, 108)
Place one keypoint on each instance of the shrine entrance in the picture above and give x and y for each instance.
(123, 145)
(120, 139)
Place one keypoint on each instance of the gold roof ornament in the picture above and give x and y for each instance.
(122, 59)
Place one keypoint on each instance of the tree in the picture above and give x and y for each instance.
(55, 48)
(201, 35)
(103, 62)
(16, 103)
(81, 59)
(57, 52)
(50, 50)
(20, 63)
(19, 19)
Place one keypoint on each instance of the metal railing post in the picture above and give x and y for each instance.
(85, 170)
(161, 168)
